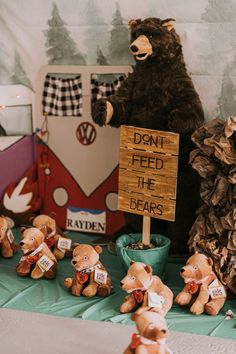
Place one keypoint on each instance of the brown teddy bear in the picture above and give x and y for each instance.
(159, 94)
(8, 246)
(146, 291)
(91, 278)
(152, 335)
(201, 280)
(38, 260)
(54, 237)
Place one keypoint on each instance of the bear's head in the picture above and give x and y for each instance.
(139, 277)
(154, 38)
(32, 238)
(152, 325)
(3, 227)
(45, 223)
(85, 256)
(197, 267)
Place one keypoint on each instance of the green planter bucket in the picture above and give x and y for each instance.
(156, 257)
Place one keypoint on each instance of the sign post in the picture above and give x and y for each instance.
(148, 170)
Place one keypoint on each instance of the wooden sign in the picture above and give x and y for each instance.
(148, 172)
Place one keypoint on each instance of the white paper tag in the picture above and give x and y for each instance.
(45, 263)
(100, 276)
(215, 290)
(10, 236)
(64, 243)
(155, 300)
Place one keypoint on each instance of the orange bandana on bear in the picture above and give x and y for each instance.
(135, 341)
(192, 287)
(81, 277)
(138, 295)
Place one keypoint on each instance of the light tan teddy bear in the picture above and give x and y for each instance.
(146, 291)
(91, 278)
(54, 237)
(201, 280)
(151, 336)
(7, 244)
(38, 260)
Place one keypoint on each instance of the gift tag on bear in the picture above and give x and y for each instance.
(100, 276)
(216, 290)
(10, 236)
(45, 263)
(64, 243)
(155, 300)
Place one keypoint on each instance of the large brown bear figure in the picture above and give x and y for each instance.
(159, 94)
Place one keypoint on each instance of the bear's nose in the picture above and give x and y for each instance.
(21, 243)
(73, 262)
(134, 48)
(181, 270)
(121, 283)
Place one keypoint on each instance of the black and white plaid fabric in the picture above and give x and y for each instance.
(62, 96)
(103, 90)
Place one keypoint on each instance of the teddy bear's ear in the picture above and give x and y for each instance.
(169, 23)
(98, 249)
(148, 268)
(132, 262)
(210, 261)
(133, 24)
(22, 229)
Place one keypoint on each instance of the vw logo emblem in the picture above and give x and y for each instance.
(86, 133)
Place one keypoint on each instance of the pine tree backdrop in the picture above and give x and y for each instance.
(92, 32)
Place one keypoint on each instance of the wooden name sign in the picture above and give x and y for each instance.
(148, 172)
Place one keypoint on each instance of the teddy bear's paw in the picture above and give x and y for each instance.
(197, 308)
(51, 273)
(213, 307)
(76, 290)
(99, 112)
(104, 290)
(90, 290)
(58, 254)
(68, 282)
(183, 299)
(23, 269)
(37, 273)
(7, 253)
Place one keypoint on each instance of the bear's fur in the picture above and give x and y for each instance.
(7, 244)
(34, 247)
(151, 337)
(52, 233)
(198, 276)
(159, 94)
(86, 262)
(139, 283)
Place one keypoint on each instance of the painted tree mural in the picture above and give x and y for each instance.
(96, 32)
(118, 46)
(102, 60)
(19, 75)
(61, 47)
(220, 11)
(227, 100)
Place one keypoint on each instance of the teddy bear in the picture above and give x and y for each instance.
(38, 261)
(151, 337)
(54, 237)
(159, 94)
(146, 291)
(7, 244)
(200, 280)
(91, 277)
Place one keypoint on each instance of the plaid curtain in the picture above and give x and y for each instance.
(103, 90)
(62, 97)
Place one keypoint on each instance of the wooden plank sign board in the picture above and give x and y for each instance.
(148, 170)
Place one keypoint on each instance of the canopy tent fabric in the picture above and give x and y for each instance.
(52, 298)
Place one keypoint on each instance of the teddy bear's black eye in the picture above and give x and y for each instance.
(85, 258)
(133, 278)
(195, 268)
(32, 239)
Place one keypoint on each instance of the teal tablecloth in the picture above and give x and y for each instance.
(51, 297)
